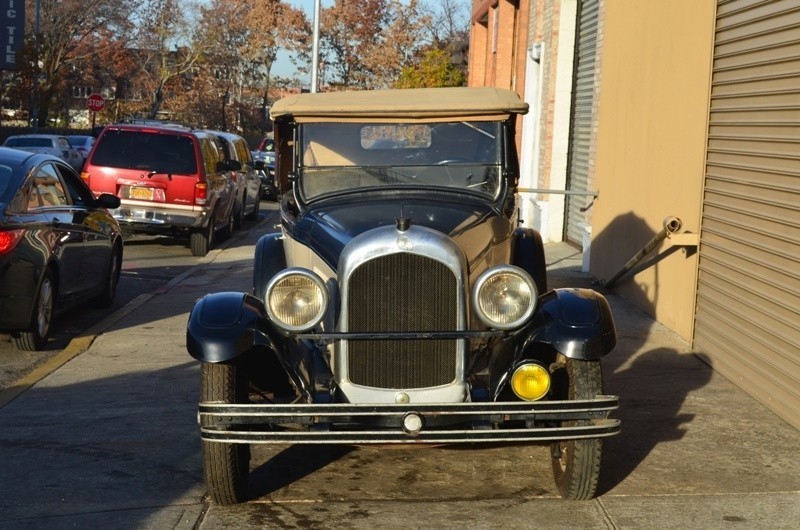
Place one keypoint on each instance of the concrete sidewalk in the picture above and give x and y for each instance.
(110, 440)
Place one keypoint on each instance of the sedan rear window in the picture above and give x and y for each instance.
(29, 142)
(163, 153)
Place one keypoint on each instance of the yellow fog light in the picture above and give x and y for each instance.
(530, 382)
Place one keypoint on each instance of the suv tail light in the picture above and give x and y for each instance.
(9, 239)
(200, 193)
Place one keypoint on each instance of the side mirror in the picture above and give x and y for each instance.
(106, 200)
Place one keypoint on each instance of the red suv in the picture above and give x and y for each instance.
(170, 179)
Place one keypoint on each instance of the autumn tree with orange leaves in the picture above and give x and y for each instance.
(366, 43)
(72, 35)
(211, 62)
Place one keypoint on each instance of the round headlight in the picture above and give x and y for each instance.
(530, 381)
(504, 297)
(296, 299)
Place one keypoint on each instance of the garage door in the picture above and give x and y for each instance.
(748, 297)
(581, 126)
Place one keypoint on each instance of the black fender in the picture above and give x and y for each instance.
(269, 260)
(527, 252)
(574, 322)
(224, 326)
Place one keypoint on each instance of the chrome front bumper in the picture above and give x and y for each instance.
(380, 424)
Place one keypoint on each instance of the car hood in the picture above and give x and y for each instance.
(474, 225)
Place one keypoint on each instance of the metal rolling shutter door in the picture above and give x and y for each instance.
(748, 299)
(581, 127)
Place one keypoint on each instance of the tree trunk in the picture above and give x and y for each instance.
(158, 98)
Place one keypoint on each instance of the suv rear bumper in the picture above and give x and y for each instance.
(150, 217)
(543, 421)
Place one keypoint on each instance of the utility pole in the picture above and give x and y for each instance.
(315, 50)
(35, 91)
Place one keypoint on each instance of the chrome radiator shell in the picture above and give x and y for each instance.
(402, 281)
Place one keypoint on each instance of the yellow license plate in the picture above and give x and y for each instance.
(141, 193)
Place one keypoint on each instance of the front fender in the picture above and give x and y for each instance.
(222, 326)
(574, 322)
(270, 259)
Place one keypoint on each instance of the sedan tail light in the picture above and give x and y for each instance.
(9, 239)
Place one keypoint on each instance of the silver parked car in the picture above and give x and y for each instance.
(51, 144)
(82, 143)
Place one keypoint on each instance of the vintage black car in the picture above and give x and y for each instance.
(401, 302)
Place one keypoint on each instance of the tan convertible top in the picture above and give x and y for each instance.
(401, 104)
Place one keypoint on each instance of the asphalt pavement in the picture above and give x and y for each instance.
(106, 436)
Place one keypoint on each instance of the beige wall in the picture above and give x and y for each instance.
(655, 66)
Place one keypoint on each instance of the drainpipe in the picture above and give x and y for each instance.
(671, 226)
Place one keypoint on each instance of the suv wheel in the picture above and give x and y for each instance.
(226, 466)
(576, 463)
(227, 231)
(202, 239)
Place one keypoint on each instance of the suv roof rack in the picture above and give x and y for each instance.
(156, 122)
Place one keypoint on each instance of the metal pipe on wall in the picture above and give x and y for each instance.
(671, 225)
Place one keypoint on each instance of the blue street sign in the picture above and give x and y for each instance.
(12, 32)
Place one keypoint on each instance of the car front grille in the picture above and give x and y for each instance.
(402, 292)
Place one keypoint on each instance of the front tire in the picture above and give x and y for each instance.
(106, 298)
(576, 463)
(226, 466)
(35, 337)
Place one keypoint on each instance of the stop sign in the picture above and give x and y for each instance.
(95, 102)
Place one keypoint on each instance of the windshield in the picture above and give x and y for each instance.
(336, 157)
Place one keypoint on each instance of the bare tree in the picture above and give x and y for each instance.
(447, 21)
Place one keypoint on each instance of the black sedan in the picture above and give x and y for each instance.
(59, 245)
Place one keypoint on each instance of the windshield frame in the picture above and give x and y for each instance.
(480, 173)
